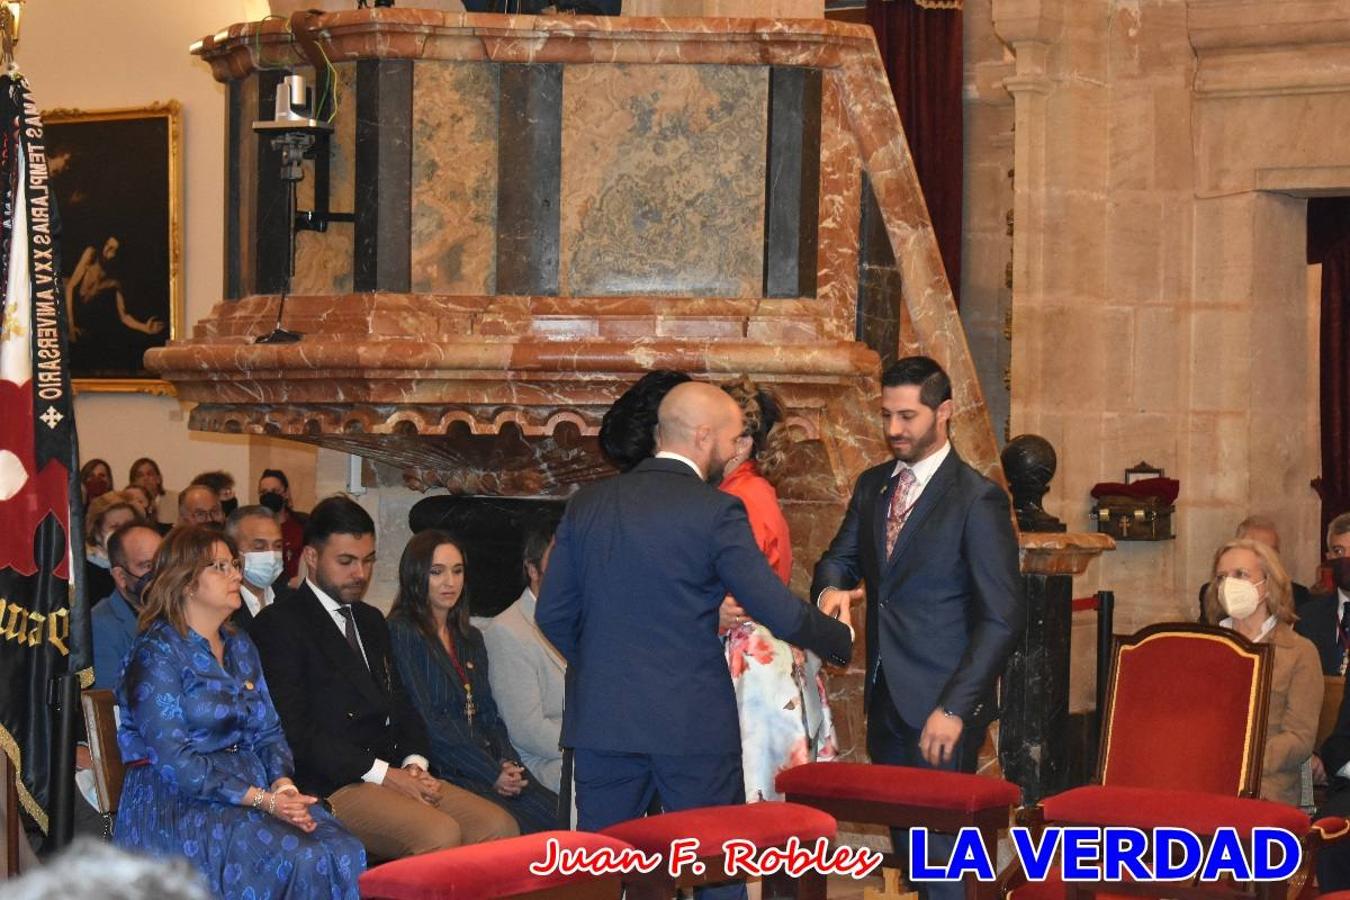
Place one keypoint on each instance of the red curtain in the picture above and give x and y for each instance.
(1329, 244)
(922, 52)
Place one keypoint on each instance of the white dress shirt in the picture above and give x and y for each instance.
(667, 454)
(254, 602)
(380, 767)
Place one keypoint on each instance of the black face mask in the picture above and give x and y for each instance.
(1340, 572)
(229, 506)
(272, 500)
(136, 590)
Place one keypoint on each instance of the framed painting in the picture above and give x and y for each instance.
(116, 176)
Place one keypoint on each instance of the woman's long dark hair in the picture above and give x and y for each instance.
(414, 572)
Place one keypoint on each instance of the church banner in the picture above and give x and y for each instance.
(44, 621)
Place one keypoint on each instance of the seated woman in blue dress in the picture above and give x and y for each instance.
(443, 662)
(208, 768)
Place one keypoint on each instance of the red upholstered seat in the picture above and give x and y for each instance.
(1213, 746)
(954, 791)
(1149, 808)
(494, 869)
(1335, 895)
(765, 824)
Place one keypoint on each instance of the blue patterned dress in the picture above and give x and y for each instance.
(208, 734)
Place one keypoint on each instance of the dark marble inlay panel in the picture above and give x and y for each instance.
(528, 171)
(454, 178)
(383, 182)
(793, 188)
(663, 180)
(323, 260)
(268, 215)
(879, 284)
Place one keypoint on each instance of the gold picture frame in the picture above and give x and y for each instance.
(117, 177)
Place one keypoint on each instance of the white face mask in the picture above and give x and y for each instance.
(1239, 596)
(262, 567)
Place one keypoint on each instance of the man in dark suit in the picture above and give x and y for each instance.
(934, 542)
(640, 566)
(357, 739)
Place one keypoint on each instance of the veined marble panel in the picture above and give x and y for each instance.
(323, 260)
(663, 176)
(454, 175)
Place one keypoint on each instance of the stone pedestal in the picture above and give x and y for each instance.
(1033, 732)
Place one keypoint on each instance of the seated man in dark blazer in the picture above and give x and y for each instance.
(356, 738)
(640, 567)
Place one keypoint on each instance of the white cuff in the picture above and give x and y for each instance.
(417, 759)
(377, 772)
(1344, 771)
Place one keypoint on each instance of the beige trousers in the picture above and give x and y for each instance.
(392, 826)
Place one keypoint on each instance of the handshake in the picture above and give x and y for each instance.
(838, 603)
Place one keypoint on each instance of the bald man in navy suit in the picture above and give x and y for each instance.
(638, 572)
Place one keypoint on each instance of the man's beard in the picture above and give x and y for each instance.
(919, 447)
(350, 592)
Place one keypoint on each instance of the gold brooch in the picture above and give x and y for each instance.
(248, 685)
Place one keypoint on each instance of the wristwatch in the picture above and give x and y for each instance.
(949, 714)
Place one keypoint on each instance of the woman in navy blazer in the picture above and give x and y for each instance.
(444, 665)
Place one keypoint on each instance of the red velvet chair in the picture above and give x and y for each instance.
(905, 797)
(767, 824)
(1183, 733)
(495, 869)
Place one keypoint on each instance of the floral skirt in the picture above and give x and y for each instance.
(784, 713)
(241, 852)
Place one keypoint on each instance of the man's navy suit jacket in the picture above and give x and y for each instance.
(947, 608)
(630, 599)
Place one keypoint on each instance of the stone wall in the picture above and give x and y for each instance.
(1160, 301)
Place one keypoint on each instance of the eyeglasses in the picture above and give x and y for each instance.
(225, 566)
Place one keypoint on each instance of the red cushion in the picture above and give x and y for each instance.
(767, 824)
(1206, 742)
(898, 784)
(493, 869)
(1145, 808)
(1335, 895)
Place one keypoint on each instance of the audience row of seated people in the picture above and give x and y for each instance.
(207, 500)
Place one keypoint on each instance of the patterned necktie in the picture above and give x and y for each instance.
(901, 504)
(349, 629)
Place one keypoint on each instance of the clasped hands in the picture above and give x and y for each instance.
(512, 779)
(415, 782)
(285, 802)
